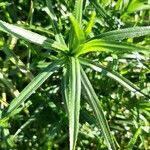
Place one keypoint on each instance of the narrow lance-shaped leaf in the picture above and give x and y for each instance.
(103, 13)
(58, 36)
(124, 33)
(37, 29)
(78, 10)
(98, 111)
(133, 139)
(90, 24)
(72, 94)
(100, 9)
(98, 45)
(114, 75)
(76, 35)
(65, 87)
(32, 86)
(31, 36)
(137, 5)
(119, 5)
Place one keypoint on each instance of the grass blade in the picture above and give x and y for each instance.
(107, 46)
(31, 36)
(125, 33)
(15, 60)
(32, 86)
(100, 9)
(114, 75)
(9, 84)
(133, 139)
(103, 13)
(98, 111)
(72, 95)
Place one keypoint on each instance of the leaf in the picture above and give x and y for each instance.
(137, 5)
(9, 84)
(133, 139)
(72, 92)
(65, 87)
(114, 75)
(119, 4)
(110, 21)
(2, 4)
(4, 122)
(100, 9)
(32, 86)
(124, 33)
(122, 5)
(76, 35)
(31, 36)
(98, 111)
(15, 60)
(143, 106)
(98, 45)
(78, 11)
(58, 35)
(90, 24)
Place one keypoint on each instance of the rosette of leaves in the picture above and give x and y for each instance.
(71, 59)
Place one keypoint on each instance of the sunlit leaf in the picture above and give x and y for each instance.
(137, 5)
(133, 139)
(114, 75)
(98, 45)
(31, 36)
(32, 86)
(93, 100)
(90, 24)
(121, 34)
(77, 35)
(78, 10)
(72, 92)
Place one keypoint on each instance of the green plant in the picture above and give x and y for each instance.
(71, 62)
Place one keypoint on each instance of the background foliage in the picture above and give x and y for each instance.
(43, 123)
